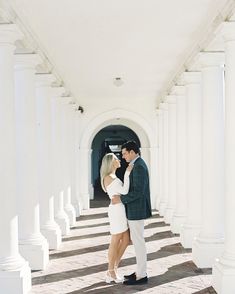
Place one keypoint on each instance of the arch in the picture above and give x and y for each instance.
(118, 117)
(113, 117)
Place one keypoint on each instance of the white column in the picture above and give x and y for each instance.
(74, 196)
(191, 227)
(49, 227)
(90, 184)
(145, 154)
(32, 244)
(179, 216)
(61, 217)
(209, 243)
(69, 164)
(164, 197)
(224, 268)
(171, 201)
(84, 174)
(153, 173)
(78, 208)
(15, 276)
(160, 156)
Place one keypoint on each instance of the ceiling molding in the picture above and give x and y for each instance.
(30, 43)
(202, 40)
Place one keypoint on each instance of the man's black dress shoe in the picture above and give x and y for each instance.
(136, 282)
(130, 277)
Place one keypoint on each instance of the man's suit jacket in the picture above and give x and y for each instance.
(137, 201)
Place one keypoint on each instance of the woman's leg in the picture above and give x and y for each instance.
(112, 253)
(124, 242)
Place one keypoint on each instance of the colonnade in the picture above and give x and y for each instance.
(196, 162)
(203, 160)
(37, 151)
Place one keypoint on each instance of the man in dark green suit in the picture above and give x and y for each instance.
(138, 208)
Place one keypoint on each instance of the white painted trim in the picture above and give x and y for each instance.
(118, 117)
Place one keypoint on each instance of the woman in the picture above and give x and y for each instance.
(120, 237)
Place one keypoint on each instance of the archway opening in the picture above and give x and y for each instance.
(109, 139)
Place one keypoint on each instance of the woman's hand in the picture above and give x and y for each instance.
(130, 167)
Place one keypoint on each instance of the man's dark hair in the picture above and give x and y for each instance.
(131, 145)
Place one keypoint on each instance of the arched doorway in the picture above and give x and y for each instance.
(133, 121)
(109, 139)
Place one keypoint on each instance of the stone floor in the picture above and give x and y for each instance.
(80, 264)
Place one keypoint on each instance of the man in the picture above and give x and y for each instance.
(138, 208)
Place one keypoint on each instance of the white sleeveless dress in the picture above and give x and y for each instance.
(116, 212)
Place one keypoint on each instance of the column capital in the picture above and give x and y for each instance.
(171, 99)
(159, 111)
(74, 105)
(211, 59)
(66, 100)
(163, 106)
(178, 90)
(180, 80)
(191, 77)
(27, 61)
(45, 80)
(9, 33)
(58, 91)
(228, 31)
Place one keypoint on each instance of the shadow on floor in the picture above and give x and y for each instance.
(165, 251)
(157, 236)
(209, 290)
(174, 273)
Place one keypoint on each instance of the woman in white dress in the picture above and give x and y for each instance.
(120, 236)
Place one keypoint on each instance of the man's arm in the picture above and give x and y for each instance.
(138, 185)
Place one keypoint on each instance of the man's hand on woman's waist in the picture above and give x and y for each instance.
(116, 199)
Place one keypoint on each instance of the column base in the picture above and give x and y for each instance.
(62, 220)
(70, 211)
(162, 208)
(177, 222)
(16, 281)
(77, 209)
(205, 251)
(36, 254)
(80, 205)
(53, 236)
(168, 215)
(91, 192)
(85, 201)
(153, 199)
(158, 203)
(223, 278)
(188, 233)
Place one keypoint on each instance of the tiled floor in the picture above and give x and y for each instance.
(80, 264)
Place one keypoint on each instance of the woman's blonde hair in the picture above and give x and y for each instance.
(106, 167)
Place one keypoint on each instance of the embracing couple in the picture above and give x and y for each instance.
(129, 206)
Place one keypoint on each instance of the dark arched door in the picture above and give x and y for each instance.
(109, 139)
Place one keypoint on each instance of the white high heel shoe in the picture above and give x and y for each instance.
(116, 272)
(109, 278)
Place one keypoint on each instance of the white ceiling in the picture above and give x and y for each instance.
(90, 42)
